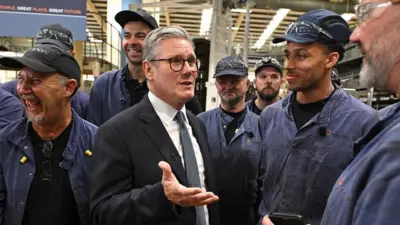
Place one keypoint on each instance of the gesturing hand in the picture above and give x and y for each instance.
(181, 195)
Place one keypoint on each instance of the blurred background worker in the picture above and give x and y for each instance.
(269, 78)
(234, 140)
(308, 136)
(59, 36)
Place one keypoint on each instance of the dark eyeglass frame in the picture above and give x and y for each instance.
(180, 63)
(47, 150)
(304, 28)
(364, 11)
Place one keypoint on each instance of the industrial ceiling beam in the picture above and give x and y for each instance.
(238, 23)
(167, 18)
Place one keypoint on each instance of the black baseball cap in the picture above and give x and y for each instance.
(317, 25)
(56, 34)
(231, 65)
(140, 15)
(46, 58)
(267, 62)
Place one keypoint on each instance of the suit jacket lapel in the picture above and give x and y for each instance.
(155, 130)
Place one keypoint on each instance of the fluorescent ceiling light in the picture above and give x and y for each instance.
(348, 16)
(233, 28)
(273, 24)
(206, 18)
(96, 40)
(279, 44)
(240, 10)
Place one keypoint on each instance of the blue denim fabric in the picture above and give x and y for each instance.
(16, 176)
(249, 105)
(367, 192)
(238, 165)
(303, 165)
(108, 97)
(11, 108)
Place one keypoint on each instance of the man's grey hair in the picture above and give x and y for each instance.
(153, 39)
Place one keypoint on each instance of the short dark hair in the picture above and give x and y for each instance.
(334, 47)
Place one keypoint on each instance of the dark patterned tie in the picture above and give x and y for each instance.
(192, 171)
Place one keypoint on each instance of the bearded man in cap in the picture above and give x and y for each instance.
(44, 156)
(235, 145)
(269, 78)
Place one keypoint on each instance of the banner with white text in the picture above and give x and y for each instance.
(23, 18)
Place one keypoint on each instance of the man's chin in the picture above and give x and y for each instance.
(135, 61)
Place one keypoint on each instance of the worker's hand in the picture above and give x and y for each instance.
(181, 195)
(266, 221)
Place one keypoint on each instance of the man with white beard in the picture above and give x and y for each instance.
(367, 192)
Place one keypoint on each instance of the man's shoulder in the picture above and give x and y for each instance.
(358, 105)
(7, 96)
(10, 86)
(207, 113)
(107, 77)
(127, 117)
(252, 115)
(81, 96)
(274, 109)
(10, 130)
(88, 126)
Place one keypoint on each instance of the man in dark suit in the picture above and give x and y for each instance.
(127, 184)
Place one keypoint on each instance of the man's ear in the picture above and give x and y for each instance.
(332, 60)
(247, 84)
(70, 87)
(146, 66)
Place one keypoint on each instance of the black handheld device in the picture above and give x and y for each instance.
(286, 219)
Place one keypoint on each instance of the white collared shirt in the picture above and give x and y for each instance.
(167, 113)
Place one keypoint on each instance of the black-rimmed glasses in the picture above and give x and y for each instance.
(177, 63)
(365, 11)
(305, 28)
(47, 149)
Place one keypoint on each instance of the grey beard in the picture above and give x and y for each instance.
(382, 58)
(36, 120)
(232, 101)
(375, 73)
